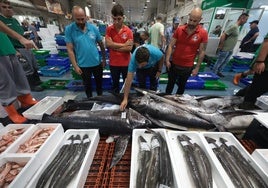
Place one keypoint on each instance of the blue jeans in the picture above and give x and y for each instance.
(223, 59)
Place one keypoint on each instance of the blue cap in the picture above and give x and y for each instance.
(176, 20)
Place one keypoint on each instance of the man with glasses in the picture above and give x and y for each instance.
(119, 41)
(188, 41)
(81, 40)
(26, 56)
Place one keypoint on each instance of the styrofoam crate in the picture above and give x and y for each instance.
(10, 127)
(80, 179)
(261, 157)
(262, 117)
(49, 144)
(219, 177)
(262, 102)
(27, 172)
(135, 155)
(46, 106)
(231, 140)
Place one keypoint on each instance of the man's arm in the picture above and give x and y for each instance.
(123, 47)
(70, 50)
(169, 51)
(259, 65)
(201, 55)
(222, 39)
(26, 43)
(100, 43)
(127, 86)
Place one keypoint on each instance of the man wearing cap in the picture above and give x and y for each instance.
(171, 29)
(248, 41)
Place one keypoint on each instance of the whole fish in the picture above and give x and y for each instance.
(144, 155)
(191, 161)
(153, 173)
(251, 174)
(107, 121)
(230, 165)
(120, 148)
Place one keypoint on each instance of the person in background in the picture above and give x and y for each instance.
(217, 31)
(258, 85)
(248, 41)
(13, 82)
(119, 40)
(188, 41)
(156, 33)
(33, 32)
(26, 56)
(227, 43)
(81, 40)
(139, 39)
(147, 61)
(171, 29)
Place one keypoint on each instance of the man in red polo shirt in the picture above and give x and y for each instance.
(119, 40)
(189, 41)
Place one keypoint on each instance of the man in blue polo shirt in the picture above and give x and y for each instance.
(81, 40)
(146, 60)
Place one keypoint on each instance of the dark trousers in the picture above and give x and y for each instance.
(179, 75)
(97, 72)
(258, 87)
(116, 71)
(142, 75)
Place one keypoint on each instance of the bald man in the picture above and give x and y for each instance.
(81, 40)
(189, 41)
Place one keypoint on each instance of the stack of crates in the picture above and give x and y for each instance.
(240, 64)
(61, 45)
(56, 66)
(41, 56)
(211, 81)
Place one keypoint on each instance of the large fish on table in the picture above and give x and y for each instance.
(107, 121)
(192, 113)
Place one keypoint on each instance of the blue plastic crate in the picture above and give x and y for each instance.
(242, 59)
(53, 71)
(208, 76)
(55, 61)
(247, 81)
(75, 85)
(60, 42)
(194, 82)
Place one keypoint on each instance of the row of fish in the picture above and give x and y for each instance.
(154, 164)
(154, 111)
(240, 171)
(197, 162)
(66, 164)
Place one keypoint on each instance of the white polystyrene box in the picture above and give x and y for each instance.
(261, 158)
(219, 177)
(80, 179)
(10, 127)
(49, 144)
(233, 141)
(262, 102)
(46, 106)
(27, 172)
(262, 117)
(135, 152)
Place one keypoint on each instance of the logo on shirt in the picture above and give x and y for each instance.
(195, 38)
(92, 36)
(124, 36)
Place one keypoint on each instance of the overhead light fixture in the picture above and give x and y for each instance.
(113, 2)
(145, 6)
(147, 1)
